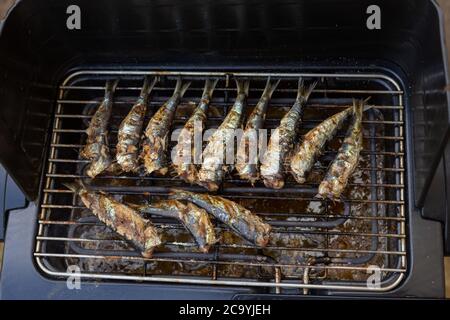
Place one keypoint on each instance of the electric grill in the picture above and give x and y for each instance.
(55, 79)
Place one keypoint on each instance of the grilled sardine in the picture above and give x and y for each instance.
(242, 221)
(282, 140)
(96, 148)
(346, 160)
(313, 143)
(156, 135)
(130, 130)
(121, 218)
(247, 152)
(195, 219)
(214, 156)
(189, 147)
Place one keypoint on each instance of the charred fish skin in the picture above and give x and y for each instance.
(242, 221)
(98, 152)
(194, 219)
(214, 167)
(156, 136)
(187, 150)
(346, 160)
(247, 155)
(282, 140)
(313, 143)
(130, 130)
(96, 148)
(121, 218)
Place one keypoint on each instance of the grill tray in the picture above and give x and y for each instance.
(317, 244)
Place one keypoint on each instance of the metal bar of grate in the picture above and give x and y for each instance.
(316, 244)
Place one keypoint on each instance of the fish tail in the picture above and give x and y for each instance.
(178, 194)
(358, 108)
(75, 186)
(111, 86)
(210, 85)
(150, 208)
(304, 92)
(147, 87)
(367, 100)
(181, 87)
(242, 86)
(270, 88)
(366, 106)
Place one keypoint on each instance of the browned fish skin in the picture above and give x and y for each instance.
(246, 159)
(242, 221)
(313, 144)
(346, 160)
(96, 148)
(195, 219)
(282, 140)
(185, 163)
(214, 156)
(156, 135)
(121, 218)
(130, 130)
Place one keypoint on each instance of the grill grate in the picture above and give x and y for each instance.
(317, 244)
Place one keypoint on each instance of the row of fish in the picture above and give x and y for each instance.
(191, 209)
(284, 152)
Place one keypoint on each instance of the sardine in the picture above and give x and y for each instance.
(313, 143)
(214, 156)
(346, 160)
(130, 130)
(247, 152)
(195, 219)
(189, 147)
(121, 218)
(156, 135)
(242, 221)
(282, 140)
(96, 148)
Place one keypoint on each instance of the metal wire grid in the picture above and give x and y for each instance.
(323, 263)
